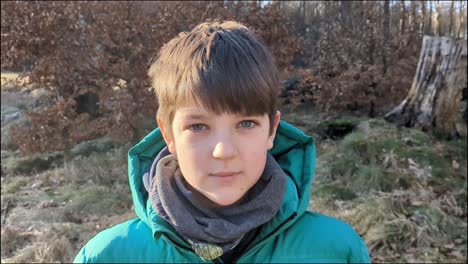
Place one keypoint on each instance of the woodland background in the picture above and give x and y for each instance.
(75, 96)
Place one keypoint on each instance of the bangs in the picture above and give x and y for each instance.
(220, 67)
(228, 77)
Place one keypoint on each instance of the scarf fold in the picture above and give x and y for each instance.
(212, 231)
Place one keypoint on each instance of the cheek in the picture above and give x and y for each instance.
(255, 156)
(191, 160)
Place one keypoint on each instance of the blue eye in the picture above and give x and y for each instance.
(197, 127)
(247, 124)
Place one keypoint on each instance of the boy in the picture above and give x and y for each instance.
(222, 179)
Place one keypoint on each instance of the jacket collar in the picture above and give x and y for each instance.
(293, 150)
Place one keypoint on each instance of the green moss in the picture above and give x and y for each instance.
(426, 156)
(14, 186)
(343, 165)
(461, 198)
(440, 226)
(457, 148)
(333, 191)
(377, 123)
(440, 164)
(338, 123)
(368, 150)
(369, 178)
(418, 136)
(389, 144)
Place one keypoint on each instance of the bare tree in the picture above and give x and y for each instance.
(345, 12)
(413, 20)
(423, 19)
(451, 18)
(435, 98)
(386, 29)
(402, 17)
(430, 16)
(437, 19)
(460, 18)
(303, 11)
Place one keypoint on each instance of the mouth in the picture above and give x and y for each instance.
(225, 174)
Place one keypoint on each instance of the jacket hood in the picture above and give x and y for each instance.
(292, 149)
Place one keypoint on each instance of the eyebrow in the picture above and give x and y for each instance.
(194, 116)
(207, 116)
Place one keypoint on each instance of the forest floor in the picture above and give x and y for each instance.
(404, 191)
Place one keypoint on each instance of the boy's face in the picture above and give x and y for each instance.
(221, 156)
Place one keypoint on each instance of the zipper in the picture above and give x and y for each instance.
(290, 218)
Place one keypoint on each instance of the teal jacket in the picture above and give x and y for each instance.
(294, 235)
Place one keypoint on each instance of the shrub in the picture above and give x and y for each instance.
(94, 57)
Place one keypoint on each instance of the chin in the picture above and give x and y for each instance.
(226, 201)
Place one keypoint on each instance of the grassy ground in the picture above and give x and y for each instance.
(49, 215)
(402, 190)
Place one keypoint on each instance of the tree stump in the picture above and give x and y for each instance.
(438, 93)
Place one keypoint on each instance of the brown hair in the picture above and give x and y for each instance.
(221, 66)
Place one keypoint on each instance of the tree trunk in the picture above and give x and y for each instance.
(436, 95)
(386, 30)
(345, 12)
(412, 21)
(436, 19)
(304, 12)
(430, 16)
(423, 19)
(451, 19)
(460, 12)
(402, 17)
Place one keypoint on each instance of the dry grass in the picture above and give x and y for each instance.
(53, 243)
(102, 169)
(12, 239)
(403, 191)
(411, 192)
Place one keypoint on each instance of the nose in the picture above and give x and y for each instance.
(224, 149)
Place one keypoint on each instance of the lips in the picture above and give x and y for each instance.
(225, 174)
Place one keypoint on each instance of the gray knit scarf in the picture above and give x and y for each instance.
(212, 231)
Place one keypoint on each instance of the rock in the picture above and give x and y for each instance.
(50, 203)
(10, 113)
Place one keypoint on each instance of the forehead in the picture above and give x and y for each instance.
(198, 112)
(194, 110)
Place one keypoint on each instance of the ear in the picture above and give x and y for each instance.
(168, 137)
(271, 138)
